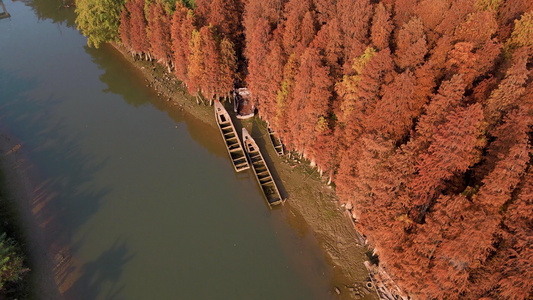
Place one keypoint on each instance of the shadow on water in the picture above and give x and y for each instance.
(64, 196)
(105, 271)
(119, 76)
(124, 79)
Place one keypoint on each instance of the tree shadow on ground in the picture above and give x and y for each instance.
(262, 140)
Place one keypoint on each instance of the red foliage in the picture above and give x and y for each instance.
(439, 54)
(159, 32)
(284, 97)
(455, 146)
(326, 10)
(181, 33)
(312, 93)
(517, 268)
(430, 143)
(296, 32)
(210, 76)
(224, 15)
(411, 44)
(211, 64)
(195, 66)
(227, 68)
(506, 159)
(124, 28)
(404, 10)
(329, 40)
(399, 100)
(432, 12)
(487, 56)
(461, 60)
(381, 27)
(269, 10)
(273, 70)
(478, 28)
(354, 17)
(139, 40)
(449, 96)
(508, 93)
(454, 15)
(258, 78)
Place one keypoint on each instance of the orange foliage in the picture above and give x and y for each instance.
(420, 111)
(181, 33)
(159, 32)
(381, 27)
(124, 29)
(139, 40)
(411, 44)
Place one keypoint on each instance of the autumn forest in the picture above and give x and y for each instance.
(419, 112)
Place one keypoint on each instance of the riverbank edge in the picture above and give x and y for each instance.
(21, 191)
(12, 223)
(310, 199)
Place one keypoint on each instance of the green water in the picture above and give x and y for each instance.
(145, 200)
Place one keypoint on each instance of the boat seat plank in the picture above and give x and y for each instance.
(231, 139)
(265, 179)
(261, 171)
(266, 182)
(241, 165)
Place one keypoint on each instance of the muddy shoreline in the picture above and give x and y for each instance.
(312, 204)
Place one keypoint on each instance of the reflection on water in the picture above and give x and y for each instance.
(136, 201)
(57, 11)
(119, 75)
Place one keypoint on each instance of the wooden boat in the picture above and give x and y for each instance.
(231, 139)
(261, 171)
(276, 142)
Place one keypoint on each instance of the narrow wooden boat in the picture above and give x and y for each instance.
(276, 142)
(231, 139)
(261, 171)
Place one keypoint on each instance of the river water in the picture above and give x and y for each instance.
(135, 201)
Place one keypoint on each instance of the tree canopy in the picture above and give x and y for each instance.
(99, 20)
(420, 112)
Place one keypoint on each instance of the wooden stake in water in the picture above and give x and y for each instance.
(4, 13)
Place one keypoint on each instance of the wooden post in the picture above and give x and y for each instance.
(3, 14)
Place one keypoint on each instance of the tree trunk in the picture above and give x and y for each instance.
(330, 176)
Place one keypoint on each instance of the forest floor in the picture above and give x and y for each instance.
(311, 204)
